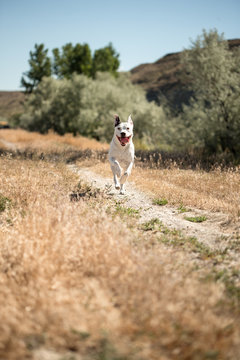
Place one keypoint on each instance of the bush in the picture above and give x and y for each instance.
(84, 106)
(212, 120)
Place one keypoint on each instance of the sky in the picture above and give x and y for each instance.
(141, 31)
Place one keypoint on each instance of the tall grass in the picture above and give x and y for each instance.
(76, 281)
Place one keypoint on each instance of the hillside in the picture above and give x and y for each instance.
(163, 78)
(11, 102)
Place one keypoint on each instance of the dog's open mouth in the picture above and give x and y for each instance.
(124, 140)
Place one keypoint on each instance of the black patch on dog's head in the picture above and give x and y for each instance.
(117, 120)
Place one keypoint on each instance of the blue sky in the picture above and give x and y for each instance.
(140, 30)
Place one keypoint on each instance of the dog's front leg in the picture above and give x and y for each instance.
(126, 173)
(116, 170)
(125, 176)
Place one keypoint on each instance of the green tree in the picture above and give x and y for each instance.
(72, 59)
(105, 60)
(40, 66)
(212, 120)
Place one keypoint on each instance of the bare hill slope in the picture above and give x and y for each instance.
(163, 78)
(11, 102)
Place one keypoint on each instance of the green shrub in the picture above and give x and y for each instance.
(4, 202)
(211, 121)
(160, 202)
(196, 219)
(85, 106)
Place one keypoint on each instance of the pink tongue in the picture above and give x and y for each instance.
(124, 140)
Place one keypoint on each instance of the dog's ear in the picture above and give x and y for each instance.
(130, 119)
(117, 120)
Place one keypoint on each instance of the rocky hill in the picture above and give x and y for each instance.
(163, 78)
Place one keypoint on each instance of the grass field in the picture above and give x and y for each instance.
(80, 279)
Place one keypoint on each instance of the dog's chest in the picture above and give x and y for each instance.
(122, 154)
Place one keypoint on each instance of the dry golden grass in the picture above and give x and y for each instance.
(81, 284)
(74, 279)
(49, 142)
(215, 191)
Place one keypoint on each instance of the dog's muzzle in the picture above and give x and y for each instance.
(124, 140)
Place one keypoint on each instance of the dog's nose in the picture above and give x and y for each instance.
(123, 134)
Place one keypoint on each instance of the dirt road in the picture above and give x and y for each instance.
(209, 232)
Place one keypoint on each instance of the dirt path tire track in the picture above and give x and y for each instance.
(210, 232)
(8, 145)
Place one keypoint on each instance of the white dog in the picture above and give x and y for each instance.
(121, 151)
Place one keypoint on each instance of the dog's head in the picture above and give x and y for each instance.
(123, 130)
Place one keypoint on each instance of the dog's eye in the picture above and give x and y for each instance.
(119, 128)
(127, 128)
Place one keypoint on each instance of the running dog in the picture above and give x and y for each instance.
(121, 151)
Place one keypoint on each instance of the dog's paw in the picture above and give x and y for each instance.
(122, 192)
(117, 186)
